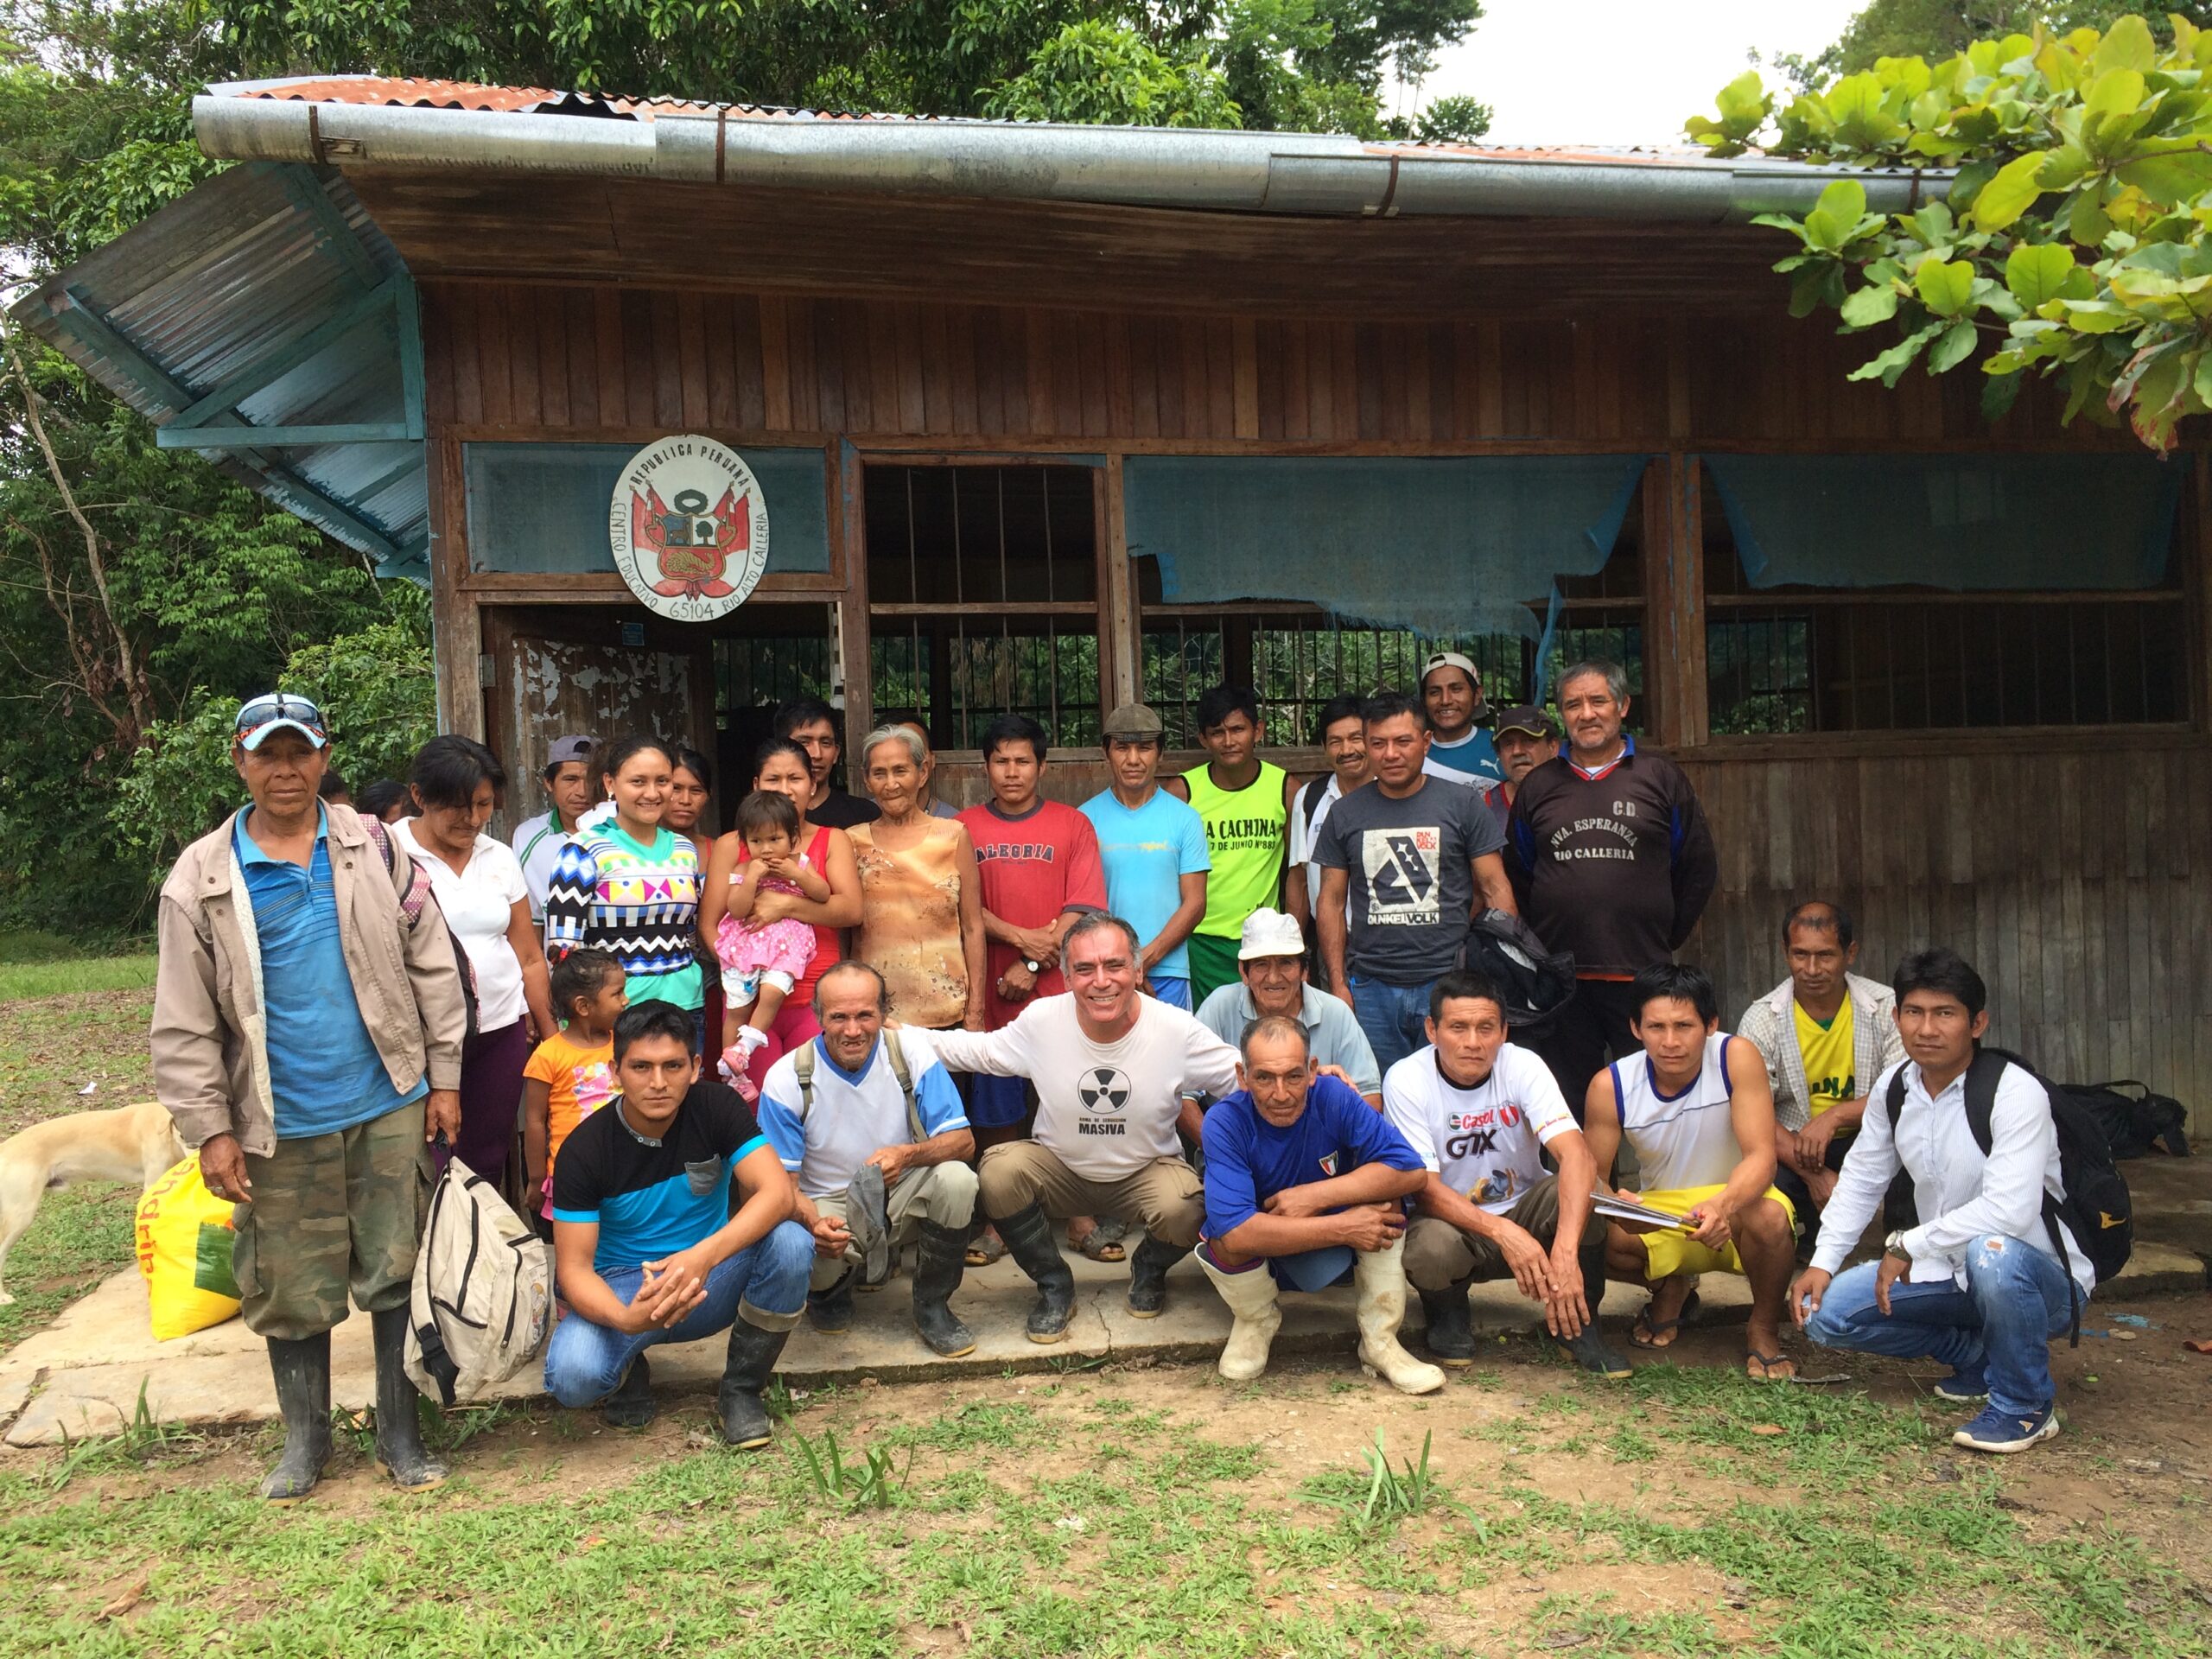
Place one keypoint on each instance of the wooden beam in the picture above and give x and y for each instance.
(1674, 601)
(849, 528)
(1120, 642)
(281, 438)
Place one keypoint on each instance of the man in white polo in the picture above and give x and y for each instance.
(872, 1132)
(1272, 983)
(1116, 1074)
(537, 841)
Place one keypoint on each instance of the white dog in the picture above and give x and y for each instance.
(131, 1143)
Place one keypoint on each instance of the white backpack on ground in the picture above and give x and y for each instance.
(482, 1304)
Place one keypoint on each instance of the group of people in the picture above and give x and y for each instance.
(1221, 1012)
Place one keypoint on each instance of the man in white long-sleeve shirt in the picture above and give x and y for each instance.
(1976, 1284)
(1115, 1075)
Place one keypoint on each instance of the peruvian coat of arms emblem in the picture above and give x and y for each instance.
(689, 528)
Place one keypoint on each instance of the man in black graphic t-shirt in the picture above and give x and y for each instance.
(1407, 861)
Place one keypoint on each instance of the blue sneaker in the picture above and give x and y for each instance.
(1964, 1386)
(2006, 1431)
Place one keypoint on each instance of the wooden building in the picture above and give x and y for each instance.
(962, 358)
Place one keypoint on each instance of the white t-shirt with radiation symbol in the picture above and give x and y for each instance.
(1104, 1109)
(1485, 1142)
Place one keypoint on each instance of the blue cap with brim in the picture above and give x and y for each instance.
(275, 712)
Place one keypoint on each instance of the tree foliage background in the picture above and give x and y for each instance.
(141, 593)
(2071, 241)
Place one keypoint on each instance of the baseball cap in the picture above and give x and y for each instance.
(1464, 664)
(1535, 722)
(279, 711)
(563, 750)
(1132, 720)
(1270, 933)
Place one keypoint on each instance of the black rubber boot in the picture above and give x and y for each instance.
(629, 1403)
(1450, 1335)
(937, 1267)
(1149, 1275)
(400, 1451)
(1028, 1235)
(752, 1355)
(831, 1311)
(302, 1372)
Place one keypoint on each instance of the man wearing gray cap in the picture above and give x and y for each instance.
(1452, 691)
(1271, 967)
(1153, 847)
(537, 841)
(1525, 738)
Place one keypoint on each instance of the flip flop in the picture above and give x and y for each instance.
(1646, 1329)
(1103, 1241)
(867, 1216)
(984, 1250)
(1767, 1364)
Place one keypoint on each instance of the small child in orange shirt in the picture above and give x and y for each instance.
(571, 1075)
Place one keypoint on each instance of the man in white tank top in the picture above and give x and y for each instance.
(1695, 1107)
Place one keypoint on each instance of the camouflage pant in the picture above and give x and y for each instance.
(331, 1210)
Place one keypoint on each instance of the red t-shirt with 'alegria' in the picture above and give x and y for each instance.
(1032, 868)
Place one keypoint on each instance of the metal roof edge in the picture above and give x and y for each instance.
(1330, 174)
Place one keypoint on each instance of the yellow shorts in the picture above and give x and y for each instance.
(1669, 1253)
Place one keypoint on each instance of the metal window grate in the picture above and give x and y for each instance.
(983, 599)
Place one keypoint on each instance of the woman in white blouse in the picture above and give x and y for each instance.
(476, 882)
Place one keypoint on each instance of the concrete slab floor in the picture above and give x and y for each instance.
(83, 1374)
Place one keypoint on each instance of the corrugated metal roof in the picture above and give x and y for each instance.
(237, 273)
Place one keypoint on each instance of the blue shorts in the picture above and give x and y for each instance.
(997, 1103)
(1175, 993)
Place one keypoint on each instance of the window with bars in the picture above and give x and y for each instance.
(983, 599)
(1298, 657)
(1801, 659)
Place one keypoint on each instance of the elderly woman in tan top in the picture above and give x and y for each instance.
(922, 916)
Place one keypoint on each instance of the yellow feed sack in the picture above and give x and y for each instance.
(184, 1251)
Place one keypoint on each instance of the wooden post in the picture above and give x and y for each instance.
(848, 525)
(456, 628)
(1119, 664)
(1674, 601)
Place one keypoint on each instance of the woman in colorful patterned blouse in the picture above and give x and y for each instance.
(629, 886)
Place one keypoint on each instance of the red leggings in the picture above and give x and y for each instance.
(793, 1025)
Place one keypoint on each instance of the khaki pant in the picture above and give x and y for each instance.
(1439, 1255)
(943, 1194)
(330, 1211)
(1165, 1197)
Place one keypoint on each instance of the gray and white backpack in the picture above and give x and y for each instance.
(482, 1303)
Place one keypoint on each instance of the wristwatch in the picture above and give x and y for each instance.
(1034, 967)
(1894, 1245)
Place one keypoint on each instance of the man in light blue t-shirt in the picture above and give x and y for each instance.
(1153, 847)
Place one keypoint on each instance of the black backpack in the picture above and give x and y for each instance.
(2096, 1208)
(2134, 1125)
(1538, 983)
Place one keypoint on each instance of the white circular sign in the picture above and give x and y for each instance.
(689, 528)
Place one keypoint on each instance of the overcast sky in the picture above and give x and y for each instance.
(1620, 72)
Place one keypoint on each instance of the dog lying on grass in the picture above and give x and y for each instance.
(129, 1143)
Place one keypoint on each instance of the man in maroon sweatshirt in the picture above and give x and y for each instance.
(1611, 859)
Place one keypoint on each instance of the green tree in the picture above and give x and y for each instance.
(2071, 242)
(1940, 28)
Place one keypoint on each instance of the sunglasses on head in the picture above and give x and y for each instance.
(278, 705)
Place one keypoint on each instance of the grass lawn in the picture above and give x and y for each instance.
(1154, 1511)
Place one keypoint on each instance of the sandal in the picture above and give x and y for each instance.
(984, 1250)
(1103, 1241)
(1646, 1332)
(1770, 1368)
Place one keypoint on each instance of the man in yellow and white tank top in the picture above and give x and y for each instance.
(1245, 805)
(1695, 1107)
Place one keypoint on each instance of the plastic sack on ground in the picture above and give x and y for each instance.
(184, 1249)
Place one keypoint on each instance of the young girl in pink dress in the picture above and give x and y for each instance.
(762, 961)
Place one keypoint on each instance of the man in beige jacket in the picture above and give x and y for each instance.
(308, 1024)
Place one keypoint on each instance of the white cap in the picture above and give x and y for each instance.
(1271, 934)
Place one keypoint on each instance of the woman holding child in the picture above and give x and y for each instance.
(774, 868)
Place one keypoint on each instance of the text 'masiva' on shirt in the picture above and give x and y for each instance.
(1104, 1109)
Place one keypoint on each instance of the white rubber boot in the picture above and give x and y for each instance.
(1251, 1298)
(1380, 1278)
